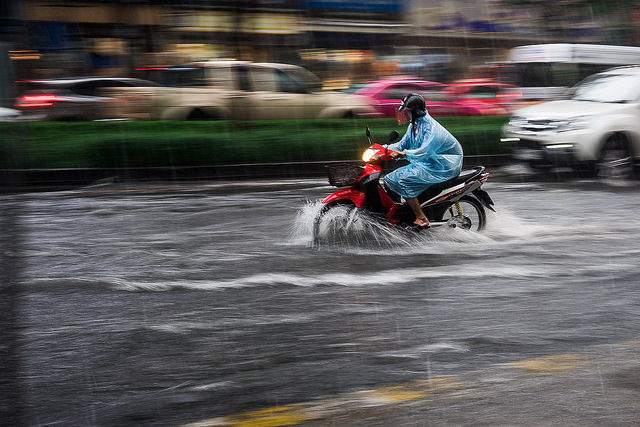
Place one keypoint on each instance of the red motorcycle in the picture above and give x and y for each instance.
(458, 202)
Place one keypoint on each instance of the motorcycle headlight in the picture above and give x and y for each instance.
(368, 154)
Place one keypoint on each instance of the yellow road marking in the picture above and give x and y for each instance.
(278, 416)
(271, 417)
(550, 364)
(299, 413)
(400, 393)
(414, 390)
(417, 389)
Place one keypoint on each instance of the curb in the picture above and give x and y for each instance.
(28, 180)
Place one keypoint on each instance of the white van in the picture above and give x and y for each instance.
(543, 72)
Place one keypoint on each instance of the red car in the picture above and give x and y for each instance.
(483, 90)
(386, 96)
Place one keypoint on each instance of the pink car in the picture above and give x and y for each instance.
(386, 95)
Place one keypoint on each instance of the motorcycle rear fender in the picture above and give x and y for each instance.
(484, 198)
(357, 197)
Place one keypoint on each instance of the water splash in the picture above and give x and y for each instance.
(507, 225)
(363, 231)
(348, 228)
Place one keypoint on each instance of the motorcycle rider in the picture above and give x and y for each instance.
(434, 155)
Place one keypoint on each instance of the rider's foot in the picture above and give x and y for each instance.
(421, 222)
(416, 227)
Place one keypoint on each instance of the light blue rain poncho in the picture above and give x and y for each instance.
(434, 155)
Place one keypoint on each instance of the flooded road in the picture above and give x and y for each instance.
(168, 304)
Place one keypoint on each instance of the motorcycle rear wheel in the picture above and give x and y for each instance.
(333, 218)
(473, 217)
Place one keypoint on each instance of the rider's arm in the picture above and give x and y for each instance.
(423, 143)
(401, 145)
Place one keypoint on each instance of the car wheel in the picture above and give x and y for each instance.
(616, 159)
(197, 114)
(540, 167)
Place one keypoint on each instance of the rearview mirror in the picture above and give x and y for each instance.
(368, 132)
(394, 136)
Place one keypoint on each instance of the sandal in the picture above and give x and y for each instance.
(417, 227)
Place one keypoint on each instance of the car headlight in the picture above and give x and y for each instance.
(575, 123)
(516, 122)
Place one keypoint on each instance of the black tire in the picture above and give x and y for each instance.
(540, 168)
(616, 159)
(197, 114)
(337, 223)
(474, 216)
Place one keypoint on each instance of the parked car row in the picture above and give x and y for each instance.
(596, 129)
(241, 90)
(198, 91)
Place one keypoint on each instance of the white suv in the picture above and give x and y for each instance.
(597, 129)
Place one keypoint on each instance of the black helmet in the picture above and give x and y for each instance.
(415, 103)
(411, 108)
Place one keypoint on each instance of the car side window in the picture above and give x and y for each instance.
(263, 79)
(288, 84)
(94, 88)
(183, 77)
(400, 91)
(86, 88)
(432, 94)
(242, 77)
(483, 92)
(219, 77)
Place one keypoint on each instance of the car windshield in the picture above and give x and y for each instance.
(608, 88)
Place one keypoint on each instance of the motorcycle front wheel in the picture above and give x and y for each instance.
(473, 216)
(334, 218)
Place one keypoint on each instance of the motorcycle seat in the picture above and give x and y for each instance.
(464, 176)
(435, 189)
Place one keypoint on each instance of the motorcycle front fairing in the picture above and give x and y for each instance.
(367, 193)
(357, 197)
(358, 192)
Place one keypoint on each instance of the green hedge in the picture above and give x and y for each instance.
(149, 144)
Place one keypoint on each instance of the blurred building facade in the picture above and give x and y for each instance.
(342, 41)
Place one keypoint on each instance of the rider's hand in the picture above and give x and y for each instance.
(396, 154)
